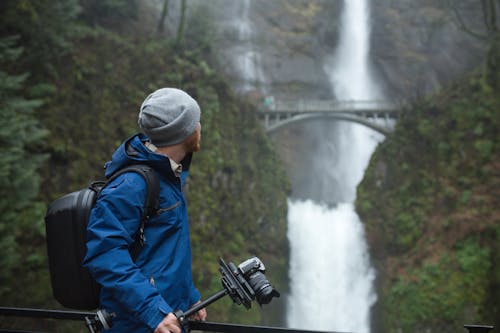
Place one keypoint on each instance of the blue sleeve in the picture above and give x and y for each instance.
(194, 295)
(112, 227)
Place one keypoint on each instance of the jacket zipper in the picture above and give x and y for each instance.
(162, 210)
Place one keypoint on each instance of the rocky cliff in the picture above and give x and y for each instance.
(281, 47)
(419, 47)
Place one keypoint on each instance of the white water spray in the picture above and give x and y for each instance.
(330, 273)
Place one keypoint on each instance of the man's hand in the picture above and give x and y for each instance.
(169, 324)
(201, 315)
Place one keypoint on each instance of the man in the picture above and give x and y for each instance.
(144, 293)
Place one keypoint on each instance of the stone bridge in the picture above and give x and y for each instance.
(377, 115)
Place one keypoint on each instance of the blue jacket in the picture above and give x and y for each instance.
(143, 292)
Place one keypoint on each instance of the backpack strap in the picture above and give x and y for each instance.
(152, 202)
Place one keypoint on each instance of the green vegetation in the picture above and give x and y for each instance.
(441, 293)
(429, 201)
(21, 220)
(73, 76)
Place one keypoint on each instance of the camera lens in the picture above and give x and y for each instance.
(264, 292)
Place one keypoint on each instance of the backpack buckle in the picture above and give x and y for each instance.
(142, 237)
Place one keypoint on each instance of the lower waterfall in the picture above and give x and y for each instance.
(330, 274)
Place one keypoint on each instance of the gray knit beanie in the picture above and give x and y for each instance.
(168, 116)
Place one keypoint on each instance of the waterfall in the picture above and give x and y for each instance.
(349, 69)
(331, 279)
(247, 59)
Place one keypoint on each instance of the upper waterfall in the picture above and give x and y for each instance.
(351, 76)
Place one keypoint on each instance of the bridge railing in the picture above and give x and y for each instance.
(327, 106)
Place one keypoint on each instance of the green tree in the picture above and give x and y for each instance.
(45, 29)
(108, 13)
(201, 30)
(163, 16)
(21, 215)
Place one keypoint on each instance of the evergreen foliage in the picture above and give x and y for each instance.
(21, 227)
(109, 13)
(45, 29)
(429, 200)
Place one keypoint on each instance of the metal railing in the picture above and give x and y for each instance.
(96, 322)
(302, 105)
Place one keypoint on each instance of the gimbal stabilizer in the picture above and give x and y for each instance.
(243, 283)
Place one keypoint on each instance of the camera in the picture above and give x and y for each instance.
(247, 282)
(253, 270)
(243, 283)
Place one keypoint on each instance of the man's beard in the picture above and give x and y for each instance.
(192, 144)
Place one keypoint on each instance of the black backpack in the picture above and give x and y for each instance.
(66, 231)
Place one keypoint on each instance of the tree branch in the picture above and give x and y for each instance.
(164, 13)
(462, 25)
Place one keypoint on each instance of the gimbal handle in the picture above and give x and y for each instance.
(182, 317)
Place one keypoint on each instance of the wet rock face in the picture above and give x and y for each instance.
(418, 46)
(277, 47)
(280, 47)
(298, 36)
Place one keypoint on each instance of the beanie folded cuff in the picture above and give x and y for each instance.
(168, 135)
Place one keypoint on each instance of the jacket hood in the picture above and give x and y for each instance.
(133, 151)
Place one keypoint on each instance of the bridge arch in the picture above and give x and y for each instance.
(271, 129)
(372, 114)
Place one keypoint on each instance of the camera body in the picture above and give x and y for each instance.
(247, 282)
